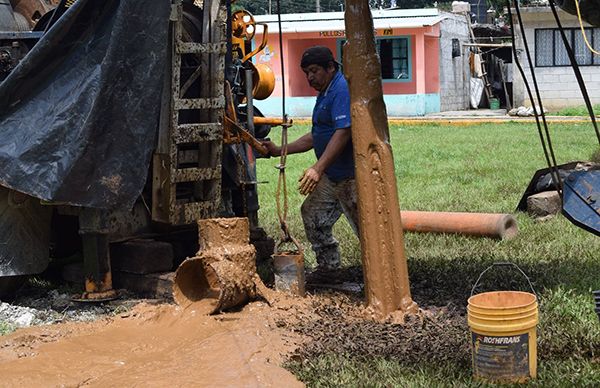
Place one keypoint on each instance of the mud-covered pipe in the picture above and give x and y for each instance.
(212, 287)
(382, 242)
(502, 226)
(223, 273)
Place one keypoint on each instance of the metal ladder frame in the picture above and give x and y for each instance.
(207, 134)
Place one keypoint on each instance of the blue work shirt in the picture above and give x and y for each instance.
(332, 112)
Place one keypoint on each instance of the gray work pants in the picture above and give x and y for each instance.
(321, 210)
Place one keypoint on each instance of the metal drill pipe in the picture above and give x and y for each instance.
(382, 241)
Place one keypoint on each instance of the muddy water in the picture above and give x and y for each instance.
(156, 346)
(382, 242)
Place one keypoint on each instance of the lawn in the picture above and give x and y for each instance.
(479, 168)
(577, 111)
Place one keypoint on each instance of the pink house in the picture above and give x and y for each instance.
(423, 68)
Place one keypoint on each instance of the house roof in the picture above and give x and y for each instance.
(332, 21)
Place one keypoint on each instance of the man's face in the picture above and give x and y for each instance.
(318, 77)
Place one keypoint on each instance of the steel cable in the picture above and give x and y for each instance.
(548, 151)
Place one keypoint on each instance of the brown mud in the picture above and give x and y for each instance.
(387, 288)
(165, 345)
(152, 345)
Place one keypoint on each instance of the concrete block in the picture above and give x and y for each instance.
(141, 256)
(544, 204)
(154, 285)
(552, 93)
(567, 79)
(461, 6)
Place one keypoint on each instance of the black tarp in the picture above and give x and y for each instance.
(79, 114)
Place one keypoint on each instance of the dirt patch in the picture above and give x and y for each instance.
(161, 344)
(336, 324)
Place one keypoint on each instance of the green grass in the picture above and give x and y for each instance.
(343, 371)
(479, 168)
(577, 111)
(6, 328)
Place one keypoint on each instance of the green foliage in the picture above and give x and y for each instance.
(262, 7)
(6, 328)
(577, 111)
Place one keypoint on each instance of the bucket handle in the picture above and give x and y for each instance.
(503, 264)
(289, 239)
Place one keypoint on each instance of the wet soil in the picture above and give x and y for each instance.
(160, 344)
(338, 326)
(152, 345)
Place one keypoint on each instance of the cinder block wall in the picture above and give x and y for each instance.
(454, 72)
(558, 85)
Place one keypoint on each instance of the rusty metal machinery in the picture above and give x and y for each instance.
(203, 165)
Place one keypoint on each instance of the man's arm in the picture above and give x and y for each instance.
(334, 148)
(302, 144)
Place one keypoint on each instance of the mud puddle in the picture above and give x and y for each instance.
(162, 345)
(151, 345)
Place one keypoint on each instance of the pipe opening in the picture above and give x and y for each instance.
(510, 228)
(197, 284)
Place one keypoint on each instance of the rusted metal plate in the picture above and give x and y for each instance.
(195, 145)
(201, 48)
(195, 133)
(200, 103)
(189, 213)
(196, 174)
(161, 185)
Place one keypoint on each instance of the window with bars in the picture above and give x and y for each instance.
(395, 56)
(550, 49)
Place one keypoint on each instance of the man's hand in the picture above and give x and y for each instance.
(274, 150)
(308, 180)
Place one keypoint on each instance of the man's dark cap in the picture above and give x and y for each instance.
(317, 55)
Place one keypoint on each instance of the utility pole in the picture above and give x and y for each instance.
(380, 227)
(318, 6)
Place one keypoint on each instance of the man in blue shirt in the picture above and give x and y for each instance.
(329, 183)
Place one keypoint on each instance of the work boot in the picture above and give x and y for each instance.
(323, 276)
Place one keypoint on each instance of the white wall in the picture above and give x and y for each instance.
(558, 85)
(454, 72)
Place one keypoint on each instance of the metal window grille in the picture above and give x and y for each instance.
(394, 56)
(550, 50)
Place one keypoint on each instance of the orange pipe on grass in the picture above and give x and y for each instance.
(502, 226)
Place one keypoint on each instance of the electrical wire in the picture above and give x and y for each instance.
(546, 148)
(575, 66)
(587, 43)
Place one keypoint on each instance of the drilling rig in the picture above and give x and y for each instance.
(178, 143)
